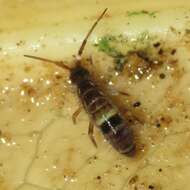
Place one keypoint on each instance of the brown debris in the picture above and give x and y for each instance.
(28, 89)
(133, 180)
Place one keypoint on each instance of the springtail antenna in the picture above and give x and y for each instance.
(58, 63)
(89, 33)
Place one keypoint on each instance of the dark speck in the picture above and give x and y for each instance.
(136, 104)
(151, 187)
(130, 121)
(162, 76)
(157, 44)
(117, 166)
(57, 76)
(173, 51)
(160, 52)
(158, 125)
(160, 170)
(133, 180)
(98, 177)
(95, 157)
(162, 119)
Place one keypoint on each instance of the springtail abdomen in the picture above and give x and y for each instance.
(103, 113)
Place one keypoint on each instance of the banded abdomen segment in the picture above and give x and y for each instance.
(119, 134)
(107, 117)
(92, 98)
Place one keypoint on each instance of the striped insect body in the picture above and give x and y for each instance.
(102, 112)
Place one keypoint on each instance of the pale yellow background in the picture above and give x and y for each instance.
(40, 147)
